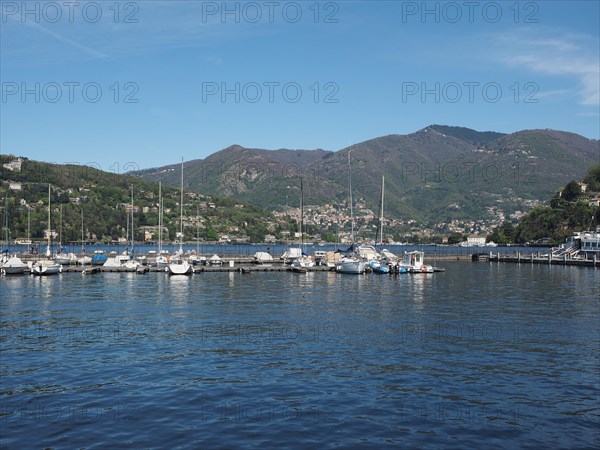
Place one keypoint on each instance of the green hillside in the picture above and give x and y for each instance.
(571, 210)
(437, 174)
(104, 199)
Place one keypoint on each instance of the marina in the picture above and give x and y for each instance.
(233, 264)
(259, 258)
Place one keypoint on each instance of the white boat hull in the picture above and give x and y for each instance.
(304, 262)
(65, 260)
(14, 270)
(413, 263)
(350, 265)
(46, 269)
(180, 268)
(14, 266)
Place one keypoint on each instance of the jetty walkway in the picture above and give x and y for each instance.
(536, 258)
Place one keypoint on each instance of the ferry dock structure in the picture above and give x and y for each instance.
(537, 258)
(581, 249)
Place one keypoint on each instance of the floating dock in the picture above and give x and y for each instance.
(534, 258)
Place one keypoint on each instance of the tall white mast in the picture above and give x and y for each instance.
(181, 212)
(301, 217)
(60, 230)
(6, 236)
(159, 217)
(48, 251)
(381, 210)
(351, 202)
(132, 235)
(82, 245)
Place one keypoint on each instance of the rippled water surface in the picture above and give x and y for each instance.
(481, 356)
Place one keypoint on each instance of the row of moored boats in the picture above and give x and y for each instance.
(50, 265)
(358, 260)
(364, 259)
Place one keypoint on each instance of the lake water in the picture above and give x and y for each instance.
(481, 356)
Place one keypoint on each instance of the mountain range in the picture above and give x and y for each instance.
(438, 173)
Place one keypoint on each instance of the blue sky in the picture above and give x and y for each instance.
(150, 82)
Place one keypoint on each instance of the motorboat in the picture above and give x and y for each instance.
(14, 266)
(197, 260)
(413, 262)
(378, 268)
(99, 258)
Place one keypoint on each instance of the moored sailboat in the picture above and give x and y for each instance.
(47, 266)
(84, 260)
(177, 265)
(10, 265)
(161, 261)
(62, 258)
(303, 262)
(350, 263)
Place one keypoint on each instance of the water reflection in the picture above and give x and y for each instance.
(179, 287)
(416, 285)
(47, 285)
(302, 280)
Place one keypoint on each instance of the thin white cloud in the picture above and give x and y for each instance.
(554, 93)
(36, 26)
(156, 26)
(567, 55)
